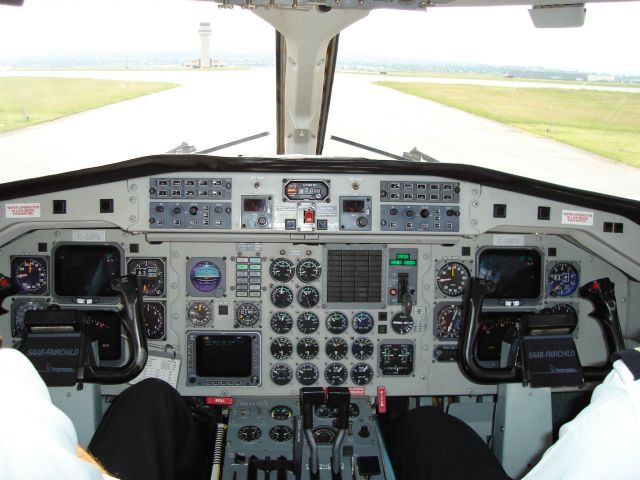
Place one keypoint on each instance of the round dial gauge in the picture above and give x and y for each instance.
(281, 433)
(307, 373)
(308, 322)
(308, 297)
(153, 319)
(336, 373)
(448, 320)
(562, 280)
(21, 307)
(336, 348)
(282, 296)
(281, 412)
(307, 348)
(362, 322)
(308, 270)
(281, 322)
(361, 373)
(402, 323)
(323, 411)
(324, 435)
(205, 276)
(452, 278)
(564, 308)
(249, 433)
(30, 274)
(247, 314)
(281, 348)
(337, 322)
(150, 271)
(199, 314)
(362, 348)
(281, 374)
(282, 270)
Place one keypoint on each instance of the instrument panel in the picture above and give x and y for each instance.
(266, 283)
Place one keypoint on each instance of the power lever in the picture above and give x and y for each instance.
(311, 397)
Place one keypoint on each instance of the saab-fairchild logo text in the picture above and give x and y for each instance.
(53, 352)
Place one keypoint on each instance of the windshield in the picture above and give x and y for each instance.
(88, 83)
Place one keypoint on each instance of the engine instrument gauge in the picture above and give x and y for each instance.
(448, 321)
(30, 274)
(308, 297)
(308, 270)
(396, 358)
(362, 348)
(307, 373)
(308, 322)
(247, 314)
(154, 319)
(281, 412)
(336, 373)
(362, 322)
(282, 270)
(205, 276)
(307, 348)
(20, 307)
(282, 296)
(199, 314)
(281, 433)
(150, 271)
(562, 279)
(281, 348)
(337, 322)
(336, 348)
(249, 433)
(281, 322)
(281, 374)
(402, 323)
(324, 435)
(361, 373)
(452, 279)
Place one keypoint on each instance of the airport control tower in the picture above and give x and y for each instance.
(205, 50)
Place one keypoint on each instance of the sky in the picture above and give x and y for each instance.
(494, 35)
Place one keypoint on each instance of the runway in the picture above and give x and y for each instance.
(215, 107)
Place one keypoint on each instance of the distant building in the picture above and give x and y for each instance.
(599, 77)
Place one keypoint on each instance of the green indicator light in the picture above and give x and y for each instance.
(410, 262)
(395, 262)
(255, 267)
(403, 256)
(240, 266)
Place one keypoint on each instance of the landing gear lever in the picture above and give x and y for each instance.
(340, 398)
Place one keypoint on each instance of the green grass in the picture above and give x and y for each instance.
(26, 101)
(605, 123)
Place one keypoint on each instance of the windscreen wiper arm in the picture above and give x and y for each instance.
(415, 154)
(184, 147)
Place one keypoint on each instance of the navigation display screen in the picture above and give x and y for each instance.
(223, 355)
(515, 272)
(85, 271)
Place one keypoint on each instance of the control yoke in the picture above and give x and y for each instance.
(56, 341)
(545, 342)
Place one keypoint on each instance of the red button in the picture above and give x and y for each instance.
(382, 399)
(4, 282)
(219, 401)
(309, 216)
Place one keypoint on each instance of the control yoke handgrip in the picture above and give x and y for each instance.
(132, 314)
(477, 289)
(602, 294)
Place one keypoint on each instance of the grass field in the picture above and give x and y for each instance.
(26, 101)
(605, 123)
